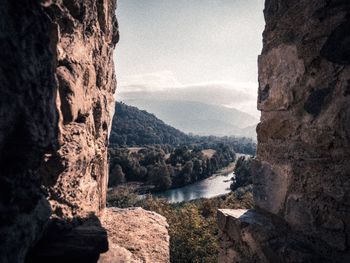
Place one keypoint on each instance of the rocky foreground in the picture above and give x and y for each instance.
(131, 235)
(135, 236)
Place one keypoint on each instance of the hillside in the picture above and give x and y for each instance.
(200, 118)
(132, 126)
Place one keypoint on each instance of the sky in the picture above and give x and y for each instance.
(181, 44)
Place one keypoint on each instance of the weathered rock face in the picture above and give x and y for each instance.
(57, 85)
(28, 123)
(302, 172)
(120, 235)
(76, 174)
(135, 236)
(57, 82)
(303, 148)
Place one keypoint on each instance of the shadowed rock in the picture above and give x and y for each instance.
(66, 243)
(301, 172)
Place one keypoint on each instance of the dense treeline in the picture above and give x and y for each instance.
(239, 144)
(145, 149)
(164, 166)
(132, 127)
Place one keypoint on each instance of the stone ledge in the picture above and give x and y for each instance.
(243, 233)
(131, 235)
(232, 222)
(254, 236)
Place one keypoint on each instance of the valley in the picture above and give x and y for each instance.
(145, 149)
(199, 118)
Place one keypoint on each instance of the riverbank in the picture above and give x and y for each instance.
(215, 185)
(226, 170)
(212, 186)
(141, 188)
(138, 188)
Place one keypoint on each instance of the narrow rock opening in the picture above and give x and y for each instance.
(290, 202)
(186, 116)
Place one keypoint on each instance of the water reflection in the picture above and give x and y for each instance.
(210, 187)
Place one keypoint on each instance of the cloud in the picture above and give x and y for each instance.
(164, 86)
(149, 82)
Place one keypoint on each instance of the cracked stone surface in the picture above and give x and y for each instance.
(135, 236)
(302, 169)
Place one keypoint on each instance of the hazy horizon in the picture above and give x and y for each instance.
(168, 48)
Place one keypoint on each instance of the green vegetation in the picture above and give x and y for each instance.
(239, 144)
(243, 173)
(133, 127)
(165, 166)
(197, 117)
(146, 151)
(192, 225)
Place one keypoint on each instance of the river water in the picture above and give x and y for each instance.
(215, 185)
(212, 186)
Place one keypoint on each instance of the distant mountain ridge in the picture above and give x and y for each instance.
(131, 126)
(200, 118)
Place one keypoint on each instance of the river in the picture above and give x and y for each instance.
(213, 186)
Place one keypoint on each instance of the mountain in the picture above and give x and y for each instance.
(134, 127)
(242, 97)
(199, 118)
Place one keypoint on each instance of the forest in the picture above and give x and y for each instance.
(164, 166)
(145, 149)
(132, 127)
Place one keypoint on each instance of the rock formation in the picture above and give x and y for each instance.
(119, 236)
(57, 81)
(301, 180)
(135, 236)
(76, 173)
(57, 84)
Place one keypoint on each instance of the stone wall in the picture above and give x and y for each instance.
(303, 136)
(302, 175)
(76, 174)
(57, 85)
(56, 99)
(28, 123)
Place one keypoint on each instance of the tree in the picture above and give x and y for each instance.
(197, 169)
(116, 176)
(187, 172)
(159, 176)
(243, 173)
